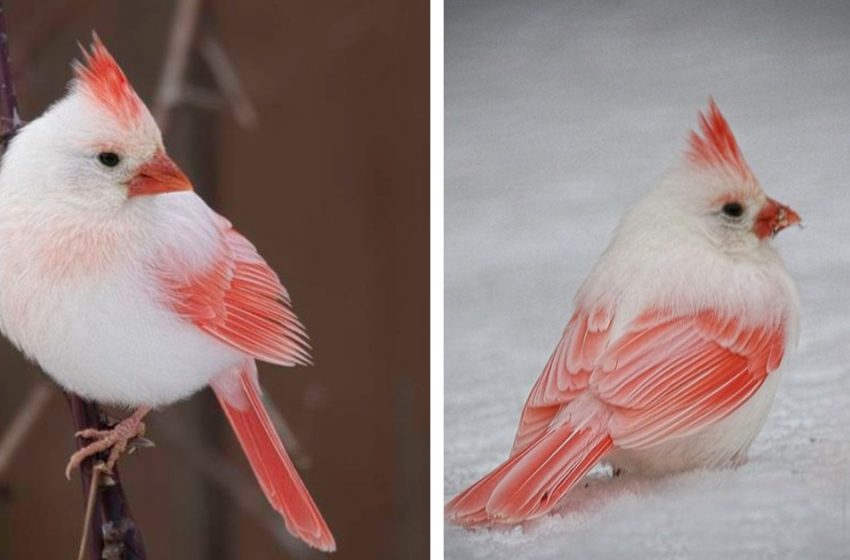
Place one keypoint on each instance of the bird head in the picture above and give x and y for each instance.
(715, 184)
(97, 147)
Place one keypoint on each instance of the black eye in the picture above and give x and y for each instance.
(733, 209)
(109, 159)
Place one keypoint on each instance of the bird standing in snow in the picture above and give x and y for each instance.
(668, 362)
(129, 290)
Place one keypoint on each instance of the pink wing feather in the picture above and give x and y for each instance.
(240, 301)
(668, 377)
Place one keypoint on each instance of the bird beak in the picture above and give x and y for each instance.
(157, 176)
(773, 218)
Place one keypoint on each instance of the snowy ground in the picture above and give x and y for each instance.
(558, 114)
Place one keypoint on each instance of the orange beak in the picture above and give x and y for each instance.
(773, 218)
(159, 175)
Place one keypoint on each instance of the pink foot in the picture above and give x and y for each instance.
(115, 439)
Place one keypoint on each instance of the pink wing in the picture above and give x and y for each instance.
(664, 376)
(669, 377)
(240, 301)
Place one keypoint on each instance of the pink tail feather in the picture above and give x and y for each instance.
(272, 466)
(531, 482)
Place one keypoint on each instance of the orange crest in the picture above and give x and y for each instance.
(716, 147)
(101, 77)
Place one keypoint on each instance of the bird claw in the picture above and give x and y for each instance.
(127, 435)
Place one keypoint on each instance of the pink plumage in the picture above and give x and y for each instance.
(666, 363)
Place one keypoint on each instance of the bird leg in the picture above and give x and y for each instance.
(114, 439)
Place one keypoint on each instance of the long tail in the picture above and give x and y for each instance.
(531, 482)
(272, 466)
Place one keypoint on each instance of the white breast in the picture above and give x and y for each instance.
(80, 301)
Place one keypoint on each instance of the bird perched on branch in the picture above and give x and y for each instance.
(129, 290)
(669, 360)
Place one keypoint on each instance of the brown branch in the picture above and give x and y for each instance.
(113, 529)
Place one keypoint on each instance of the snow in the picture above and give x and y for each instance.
(557, 116)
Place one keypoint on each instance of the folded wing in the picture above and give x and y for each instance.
(671, 376)
(664, 377)
(239, 300)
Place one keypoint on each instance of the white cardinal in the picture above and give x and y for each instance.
(127, 289)
(668, 362)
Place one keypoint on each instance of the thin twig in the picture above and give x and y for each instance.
(24, 420)
(95, 482)
(179, 44)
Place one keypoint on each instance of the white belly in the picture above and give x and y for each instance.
(114, 345)
(724, 443)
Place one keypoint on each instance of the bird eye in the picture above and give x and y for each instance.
(733, 209)
(109, 159)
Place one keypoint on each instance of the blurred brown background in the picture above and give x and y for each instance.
(331, 183)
